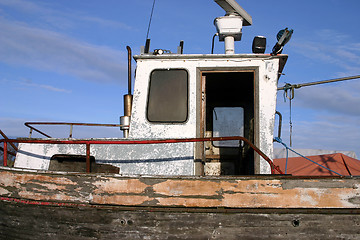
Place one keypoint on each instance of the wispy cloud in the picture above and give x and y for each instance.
(328, 47)
(52, 51)
(336, 99)
(21, 5)
(51, 16)
(104, 22)
(30, 83)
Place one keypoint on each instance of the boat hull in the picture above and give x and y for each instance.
(31, 221)
(42, 204)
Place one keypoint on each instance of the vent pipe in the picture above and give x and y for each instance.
(125, 120)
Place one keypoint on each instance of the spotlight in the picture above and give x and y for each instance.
(259, 44)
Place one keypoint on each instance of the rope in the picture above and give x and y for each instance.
(289, 96)
(290, 125)
(287, 148)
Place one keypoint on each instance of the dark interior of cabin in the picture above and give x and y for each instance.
(77, 163)
(230, 101)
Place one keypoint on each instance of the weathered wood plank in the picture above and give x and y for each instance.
(229, 192)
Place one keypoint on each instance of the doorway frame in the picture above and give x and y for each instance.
(201, 113)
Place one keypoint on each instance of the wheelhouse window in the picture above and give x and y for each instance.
(228, 121)
(168, 96)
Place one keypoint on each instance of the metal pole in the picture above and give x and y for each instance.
(88, 167)
(321, 82)
(71, 130)
(5, 153)
(129, 69)
(6, 138)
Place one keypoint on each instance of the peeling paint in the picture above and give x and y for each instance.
(245, 192)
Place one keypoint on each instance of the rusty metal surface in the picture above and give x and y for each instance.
(195, 192)
(29, 125)
(6, 138)
(154, 141)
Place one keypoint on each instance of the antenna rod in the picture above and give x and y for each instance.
(147, 46)
(152, 11)
(320, 82)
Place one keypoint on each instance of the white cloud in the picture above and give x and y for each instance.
(49, 15)
(30, 83)
(23, 5)
(50, 51)
(104, 22)
(335, 99)
(332, 48)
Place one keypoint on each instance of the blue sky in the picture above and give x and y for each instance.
(66, 60)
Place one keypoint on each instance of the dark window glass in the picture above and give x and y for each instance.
(168, 96)
(228, 121)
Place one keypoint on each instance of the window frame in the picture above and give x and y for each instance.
(187, 97)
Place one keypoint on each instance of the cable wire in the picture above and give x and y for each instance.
(288, 148)
(212, 44)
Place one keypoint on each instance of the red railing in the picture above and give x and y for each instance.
(5, 149)
(119, 142)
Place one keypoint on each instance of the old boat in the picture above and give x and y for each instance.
(192, 164)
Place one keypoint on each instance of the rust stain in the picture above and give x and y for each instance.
(250, 193)
(45, 197)
(113, 185)
(189, 202)
(296, 198)
(187, 188)
(252, 186)
(43, 178)
(127, 200)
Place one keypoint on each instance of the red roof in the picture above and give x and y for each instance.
(338, 162)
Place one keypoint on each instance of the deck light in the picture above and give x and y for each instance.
(259, 44)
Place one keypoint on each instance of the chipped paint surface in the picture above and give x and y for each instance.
(230, 192)
(173, 159)
(156, 159)
(266, 84)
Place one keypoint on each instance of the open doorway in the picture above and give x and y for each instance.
(228, 109)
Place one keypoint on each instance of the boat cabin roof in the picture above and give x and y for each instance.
(282, 57)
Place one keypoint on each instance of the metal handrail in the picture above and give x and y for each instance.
(155, 141)
(5, 137)
(5, 148)
(280, 123)
(28, 124)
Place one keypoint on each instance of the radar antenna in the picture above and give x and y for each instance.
(229, 26)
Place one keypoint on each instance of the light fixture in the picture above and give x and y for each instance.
(259, 44)
(283, 37)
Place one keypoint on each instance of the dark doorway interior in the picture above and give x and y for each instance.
(230, 112)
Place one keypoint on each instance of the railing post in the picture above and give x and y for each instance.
(71, 131)
(5, 153)
(88, 167)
